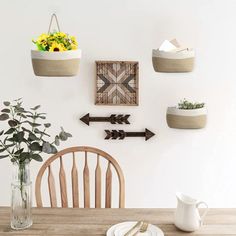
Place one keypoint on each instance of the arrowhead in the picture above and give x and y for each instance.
(148, 134)
(85, 119)
(108, 134)
(122, 134)
(126, 117)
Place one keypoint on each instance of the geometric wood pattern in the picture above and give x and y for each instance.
(117, 83)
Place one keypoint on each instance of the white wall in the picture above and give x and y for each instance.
(198, 162)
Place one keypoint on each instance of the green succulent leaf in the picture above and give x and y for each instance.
(1, 133)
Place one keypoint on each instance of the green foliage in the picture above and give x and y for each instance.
(26, 137)
(186, 105)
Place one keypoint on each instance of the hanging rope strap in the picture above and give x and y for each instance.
(50, 25)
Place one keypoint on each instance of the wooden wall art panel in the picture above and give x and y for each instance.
(117, 83)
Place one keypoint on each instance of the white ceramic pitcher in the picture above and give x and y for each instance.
(187, 217)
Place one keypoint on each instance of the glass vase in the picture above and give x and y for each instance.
(21, 204)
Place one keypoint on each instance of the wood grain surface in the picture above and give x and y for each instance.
(80, 221)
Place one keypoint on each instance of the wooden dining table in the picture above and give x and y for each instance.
(78, 221)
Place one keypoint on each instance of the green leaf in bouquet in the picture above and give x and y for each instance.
(6, 110)
(10, 131)
(57, 140)
(34, 124)
(63, 136)
(35, 147)
(47, 148)
(32, 137)
(3, 156)
(23, 156)
(6, 103)
(17, 100)
(4, 116)
(53, 149)
(13, 123)
(37, 157)
(37, 131)
(68, 135)
(26, 130)
(19, 151)
(47, 125)
(22, 115)
(3, 150)
(19, 137)
(35, 108)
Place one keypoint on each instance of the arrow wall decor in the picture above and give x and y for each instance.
(113, 119)
(121, 134)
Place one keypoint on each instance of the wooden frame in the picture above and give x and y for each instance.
(74, 176)
(113, 74)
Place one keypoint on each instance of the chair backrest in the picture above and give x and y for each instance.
(86, 179)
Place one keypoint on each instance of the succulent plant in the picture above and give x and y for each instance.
(186, 105)
(27, 136)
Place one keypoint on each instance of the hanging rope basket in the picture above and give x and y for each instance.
(56, 63)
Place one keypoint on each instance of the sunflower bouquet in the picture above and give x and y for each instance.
(56, 42)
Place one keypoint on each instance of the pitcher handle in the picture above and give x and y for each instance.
(205, 212)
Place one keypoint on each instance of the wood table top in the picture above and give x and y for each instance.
(72, 221)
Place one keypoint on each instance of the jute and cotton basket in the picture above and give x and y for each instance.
(186, 119)
(56, 64)
(182, 61)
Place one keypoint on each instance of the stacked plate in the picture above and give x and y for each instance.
(122, 228)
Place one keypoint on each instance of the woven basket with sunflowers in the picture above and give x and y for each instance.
(57, 54)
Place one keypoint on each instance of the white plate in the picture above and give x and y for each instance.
(122, 228)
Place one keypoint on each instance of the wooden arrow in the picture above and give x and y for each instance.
(113, 119)
(121, 134)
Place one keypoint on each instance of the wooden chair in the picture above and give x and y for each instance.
(86, 179)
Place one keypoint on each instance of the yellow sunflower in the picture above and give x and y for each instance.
(42, 38)
(60, 34)
(57, 47)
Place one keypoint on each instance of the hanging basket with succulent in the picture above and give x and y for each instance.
(57, 53)
(187, 115)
